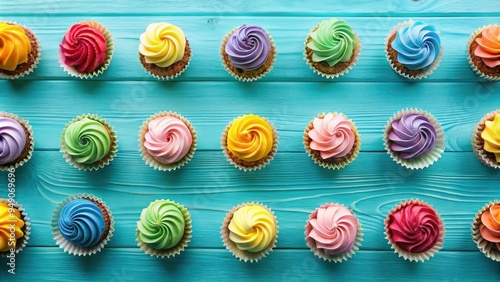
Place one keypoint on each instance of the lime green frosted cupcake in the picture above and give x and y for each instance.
(164, 229)
(88, 142)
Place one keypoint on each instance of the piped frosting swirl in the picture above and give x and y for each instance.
(332, 136)
(12, 140)
(248, 47)
(488, 48)
(250, 138)
(412, 136)
(162, 44)
(81, 222)
(15, 46)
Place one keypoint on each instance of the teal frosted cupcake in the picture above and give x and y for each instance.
(88, 142)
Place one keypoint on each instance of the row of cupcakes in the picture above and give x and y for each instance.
(248, 52)
(167, 141)
(83, 224)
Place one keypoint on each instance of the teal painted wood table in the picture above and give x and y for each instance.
(458, 185)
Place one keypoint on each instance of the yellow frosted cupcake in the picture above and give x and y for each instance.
(13, 240)
(486, 139)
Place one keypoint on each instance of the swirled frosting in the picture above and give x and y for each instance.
(252, 228)
(414, 228)
(332, 42)
(84, 48)
(161, 225)
(488, 48)
(334, 229)
(162, 44)
(413, 136)
(168, 139)
(12, 140)
(81, 222)
(332, 136)
(250, 138)
(490, 225)
(87, 141)
(418, 45)
(7, 219)
(248, 47)
(491, 136)
(15, 46)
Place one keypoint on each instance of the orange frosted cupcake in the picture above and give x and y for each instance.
(484, 52)
(486, 230)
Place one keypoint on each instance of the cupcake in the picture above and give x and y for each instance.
(332, 140)
(82, 224)
(485, 139)
(332, 48)
(14, 227)
(414, 230)
(248, 52)
(249, 231)
(167, 141)
(20, 50)
(86, 49)
(414, 139)
(164, 51)
(484, 52)
(486, 230)
(414, 49)
(164, 229)
(249, 142)
(16, 141)
(88, 142)
(333, 233)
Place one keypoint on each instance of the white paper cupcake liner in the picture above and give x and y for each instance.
(30, 137)
(424, 73)
(70, 247)
(27, 227)
(169, 77)
(429, 158)
(478, 147)
(475, 69)
(150, 160)
(489, 249)
(109, 54)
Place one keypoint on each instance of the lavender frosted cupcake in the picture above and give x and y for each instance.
(248, 52)
(16, 141)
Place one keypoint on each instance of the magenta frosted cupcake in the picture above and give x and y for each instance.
(333, 232)
(486, 230)
(16, 141)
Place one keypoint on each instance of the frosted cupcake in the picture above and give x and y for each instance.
(332, 48)
(248, 52)
(249, 142)
(88, 142)
(16, 141)
(332, 140)
(484, 52)
(486, 230)
(249, 231)
(414, 49)
(13, 220)
(82, 224)
(86, 49)
(164, 51)
(20, 50)
(333, 233)
(414, 139)
(164, 229)
(167, 141)
(486, 139)
(414, 230)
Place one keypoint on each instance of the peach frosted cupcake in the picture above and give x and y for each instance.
(486, 230)
(484, 52)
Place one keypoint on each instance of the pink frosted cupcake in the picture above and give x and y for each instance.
(333, 233)
(486, 230)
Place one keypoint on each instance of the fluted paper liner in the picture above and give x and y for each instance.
(168, 77)
(424, 72)
(243, 255)
(311, 243)
(35, 62)
(101, 163)
(343, 161)
(249, 166)
(109, 54)
(176, 250)
(489, 249)
(476, 70)
(26, 229)
(150, 160)
(66, 245)
(246, 78)
(356, 51)
(429, 158)
(477, 142)
(419, 257)
(31, 139)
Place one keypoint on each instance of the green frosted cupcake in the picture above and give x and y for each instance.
(164, 229)
(88, 142)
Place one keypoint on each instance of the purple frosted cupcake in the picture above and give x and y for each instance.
(16, 141)
(248, 52)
